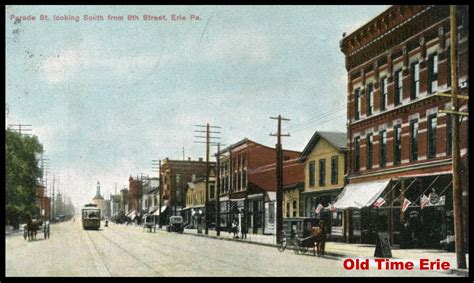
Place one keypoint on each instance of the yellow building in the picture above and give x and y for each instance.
(325, 161)
(196, 200)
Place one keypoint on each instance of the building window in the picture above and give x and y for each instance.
(397, 144)
(211, 191)
(370, 99)
(398, 87)
(322, 172)
(415, 80)
(383, 148)
(294, 208)
(432, 125)
(383, 93)
(414, 140)
(357, 103)
(370, 141)
(244, 179)
(287, 209)
(357, 154)
(311, 173)
(334, 170)
(449, 134)
(433, 73)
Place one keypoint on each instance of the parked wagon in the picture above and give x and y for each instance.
(33, 227)
(149, 223)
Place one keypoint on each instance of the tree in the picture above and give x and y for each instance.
(22, 172)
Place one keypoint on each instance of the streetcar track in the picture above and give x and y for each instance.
(201, 255)
(127, 252)
(98, 255)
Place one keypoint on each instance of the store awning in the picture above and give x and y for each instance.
(133, 215)
(361, 194)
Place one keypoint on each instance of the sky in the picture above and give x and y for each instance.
(106, 97)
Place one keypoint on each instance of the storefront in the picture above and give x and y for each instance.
(415, 227)
(333, 219)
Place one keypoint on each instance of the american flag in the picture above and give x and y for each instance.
(424, 201)
(319, 208)
(332, 208)
(406, 203)
(379, 202)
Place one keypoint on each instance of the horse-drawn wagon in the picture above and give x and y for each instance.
(33, 226)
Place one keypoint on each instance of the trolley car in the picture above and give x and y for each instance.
(90, 218)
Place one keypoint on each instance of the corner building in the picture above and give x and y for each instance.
(399, 138)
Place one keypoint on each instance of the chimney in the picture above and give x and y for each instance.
(200, 159)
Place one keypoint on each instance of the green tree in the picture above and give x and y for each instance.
(22, 173)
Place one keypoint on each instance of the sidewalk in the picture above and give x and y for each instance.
(346, 250)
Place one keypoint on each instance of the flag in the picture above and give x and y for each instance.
(379, 202)
(319, 208)
(332, 208)
(424, 201)
(442, 200)
(406, 204)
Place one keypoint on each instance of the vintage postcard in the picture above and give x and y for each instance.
(236, 141)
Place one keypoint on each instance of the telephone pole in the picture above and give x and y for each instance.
(279, 177)
(155, 163)
(457, 190)
(208, 143)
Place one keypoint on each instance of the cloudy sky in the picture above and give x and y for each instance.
(107, 97)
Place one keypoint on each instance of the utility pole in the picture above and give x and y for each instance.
(218, 190)
(279, 177)
(208, 143)
(457, 190)
(158, 169)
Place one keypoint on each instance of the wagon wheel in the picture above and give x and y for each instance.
(296, 248)
(282, 245)
(303, 249)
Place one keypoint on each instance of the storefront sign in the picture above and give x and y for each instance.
(382, 249)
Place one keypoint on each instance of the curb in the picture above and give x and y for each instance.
(256, 243)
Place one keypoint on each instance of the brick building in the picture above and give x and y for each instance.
(398, 136)
(175, 175)
(248, 184)
(134, 197)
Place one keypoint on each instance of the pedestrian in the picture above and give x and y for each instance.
(244, 230)
(234, 228)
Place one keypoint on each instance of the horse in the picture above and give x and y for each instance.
(32, 228)
(319, 234)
